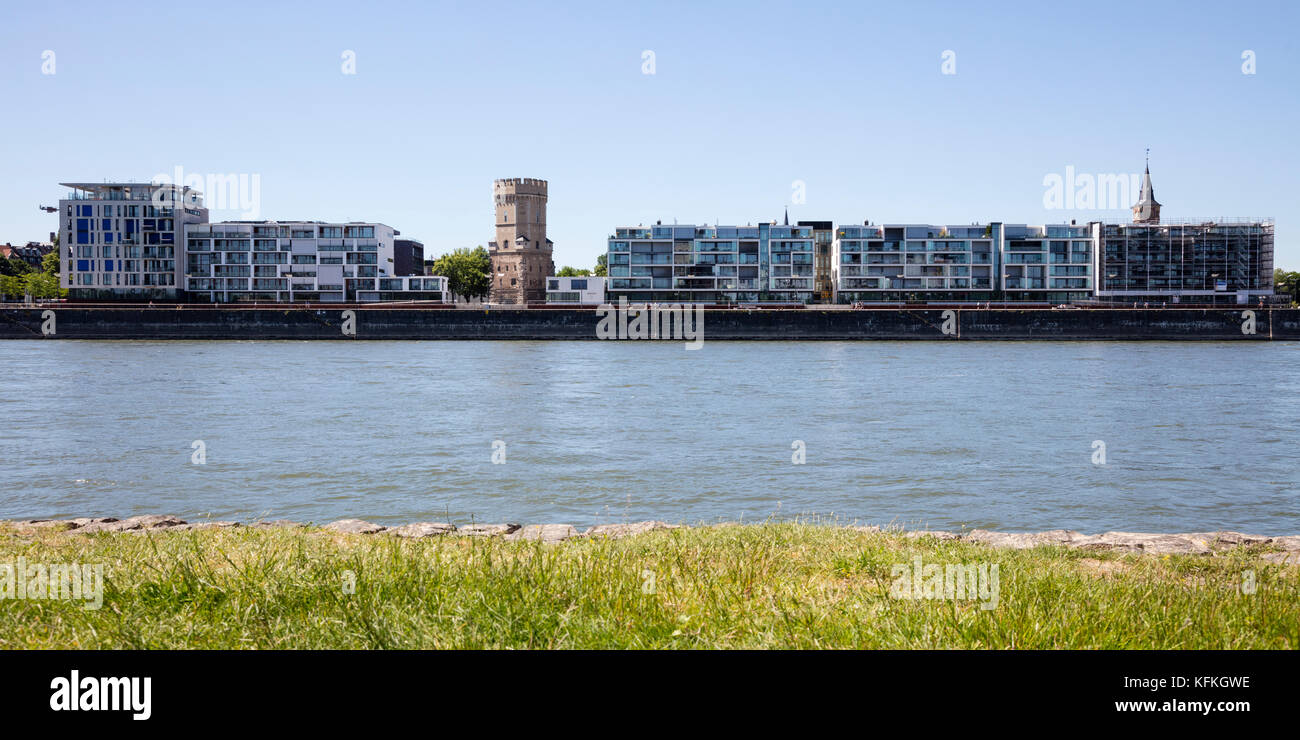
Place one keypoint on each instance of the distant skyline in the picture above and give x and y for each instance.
(919, 112)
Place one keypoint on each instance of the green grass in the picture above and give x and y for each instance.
(787, 585)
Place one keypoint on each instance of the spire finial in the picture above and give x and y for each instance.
(1148, 160)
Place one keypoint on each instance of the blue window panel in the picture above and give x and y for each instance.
(150, 224)
(108, 265)
(130, 227)
(168, 238)
(108, 237)
(83, 237)
(83, 224)
(83, 265)
(84, 211)
(106, 225)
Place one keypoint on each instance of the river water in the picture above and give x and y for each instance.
(1155, 436)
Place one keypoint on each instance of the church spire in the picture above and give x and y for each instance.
(1147, 210)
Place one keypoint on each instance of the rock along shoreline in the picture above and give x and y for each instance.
(1188, 543)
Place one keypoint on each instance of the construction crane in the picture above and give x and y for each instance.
(48, 209)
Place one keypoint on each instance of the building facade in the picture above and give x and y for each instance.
(823, 243)
(299, 261)
(408, 257)
(575, 291)
(973, 263)
(1197, 261)
(1051, 263)
(521, 255)
(899, 262)
(140, 241)
(711, 264)
(125, 240)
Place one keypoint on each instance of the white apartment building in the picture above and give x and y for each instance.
(976, 262)
(712, 264)
(125, 240)
(576, 291)
(140, 241)
(299, 261)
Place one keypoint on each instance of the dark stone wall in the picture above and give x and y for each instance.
(386, 323)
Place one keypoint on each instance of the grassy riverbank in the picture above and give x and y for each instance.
(762, 586)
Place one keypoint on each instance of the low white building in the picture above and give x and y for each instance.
(575, 291)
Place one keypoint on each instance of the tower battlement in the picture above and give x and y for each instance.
(520, 186)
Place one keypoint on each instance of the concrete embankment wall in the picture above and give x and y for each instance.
(70, 322)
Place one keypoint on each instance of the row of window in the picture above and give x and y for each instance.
(120, 211)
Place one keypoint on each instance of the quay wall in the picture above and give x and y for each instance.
(170, 322)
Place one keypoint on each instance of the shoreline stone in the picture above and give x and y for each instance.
(488, 530)
(547, 533)
(130, 524)
(1150, 543)
(615, 531)
(354, 526)
(1023, 540)
(418, 530)
(917, 534)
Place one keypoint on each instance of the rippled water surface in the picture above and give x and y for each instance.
(981, 434)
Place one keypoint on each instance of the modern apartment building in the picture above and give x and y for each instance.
(978, 262)
(1201, 261)
(125, 240)
(302, 261)
(142, 241)
(712, 264)
(895, 262)
(1051, 263)
(576, 291)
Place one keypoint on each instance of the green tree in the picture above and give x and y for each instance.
(14, 266)
(1287, 283)
(466, 271)
(42, 285)
(602, 266)
(567, 271)
(11, 286)
(50, 262)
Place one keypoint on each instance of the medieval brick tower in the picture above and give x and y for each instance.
(521, 254)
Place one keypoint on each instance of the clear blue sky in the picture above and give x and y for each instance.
(746, 99)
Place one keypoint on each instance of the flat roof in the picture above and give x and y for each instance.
(92, 186)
